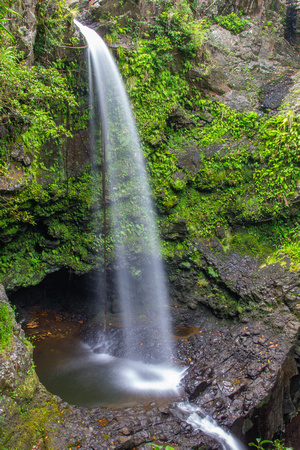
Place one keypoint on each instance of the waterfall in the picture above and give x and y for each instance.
(140, 274)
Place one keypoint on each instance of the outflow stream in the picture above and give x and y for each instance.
(199, 420)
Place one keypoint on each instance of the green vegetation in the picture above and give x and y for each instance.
(4, 11)
(246, 172)
(44, 208)
(158, 447)
(61, 231)
(54, 21)
(260, 445)
(31, 99)
(155, 70)
(277, 444)
(213, 166)
(6, 325)
(232, 22)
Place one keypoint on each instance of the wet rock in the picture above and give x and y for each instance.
(242, 275)
(192, 305)
(123, 440)
(216, 245)
(26, 160)
(200, 389)
(190, 161)
(179, 118)
(239, 65)
(242, 374)
(220, 232)
(7, 185)
(245, 376)
(241, 101)
(3, 131)
(177, 230)
(17, 152)
(20, 389)
(273, 93)
(50, 243)
(224, 7)
(215, 80)
(290, 32)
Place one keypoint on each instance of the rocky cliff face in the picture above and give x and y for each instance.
(241, 65)
(249, 7)
(267, 300)
(23, 27)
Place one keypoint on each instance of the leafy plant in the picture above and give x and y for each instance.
(232, 22)
(28, 98)
(276, 445)
(155, 76)
(158, 447)
(4, 11)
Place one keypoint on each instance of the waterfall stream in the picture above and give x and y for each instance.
(140, 274)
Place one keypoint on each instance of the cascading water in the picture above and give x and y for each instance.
(141, 282)
(199, 420)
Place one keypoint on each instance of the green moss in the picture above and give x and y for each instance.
(154, 74)
(221, 302)
(28, 410)
(247, 244)
(202, 282)
(201, 210)
(29, 424)
(6, 325)
(247, 171)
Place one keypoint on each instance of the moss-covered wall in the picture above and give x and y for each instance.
(25, 405)
(44, 146)
(219, 149)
